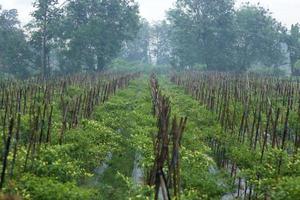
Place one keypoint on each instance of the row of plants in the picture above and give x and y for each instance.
(165, 174)
(50, 143)
(200, 176)
(133, 146)
(143, 128)
(256, 138)
(129, 113)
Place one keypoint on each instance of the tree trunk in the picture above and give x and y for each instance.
(100, 63)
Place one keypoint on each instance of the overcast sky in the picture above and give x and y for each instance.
(286, 11)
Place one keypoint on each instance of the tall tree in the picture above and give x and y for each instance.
(211, 32)
(259, 38)
(293, 41)
(203, 32)
(185, 50)
(43, 29)
(15, 55)
(96, 30)
(161, 42)
(139, 48)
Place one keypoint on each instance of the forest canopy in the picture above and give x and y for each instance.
(88, 35)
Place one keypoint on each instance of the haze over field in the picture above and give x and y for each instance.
(286, 11)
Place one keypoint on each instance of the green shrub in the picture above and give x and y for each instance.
(56, 162)
(36, 188)
(287, 188)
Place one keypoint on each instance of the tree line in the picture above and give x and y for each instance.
(86, 35)
(218, 36)
(70, 37)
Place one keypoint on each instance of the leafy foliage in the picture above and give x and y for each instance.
(15, 54)
(293, 41)
(94, 31)
(259, 37)
(203, 33)
(32, 187)
(213, 33)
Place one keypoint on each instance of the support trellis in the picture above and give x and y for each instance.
(260, 113)
(37, 99)
(165, 174)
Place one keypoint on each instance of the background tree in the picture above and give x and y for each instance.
(213, 33)
(43, 29)
(161, 43)
(15, 55)
(203, 33)
(95, 30)
(184, 51)
(139, 48)
(293, 41)
(259, 38)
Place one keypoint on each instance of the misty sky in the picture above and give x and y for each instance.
(286, 11)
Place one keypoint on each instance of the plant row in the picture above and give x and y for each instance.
(36, 116)
(258, 139)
